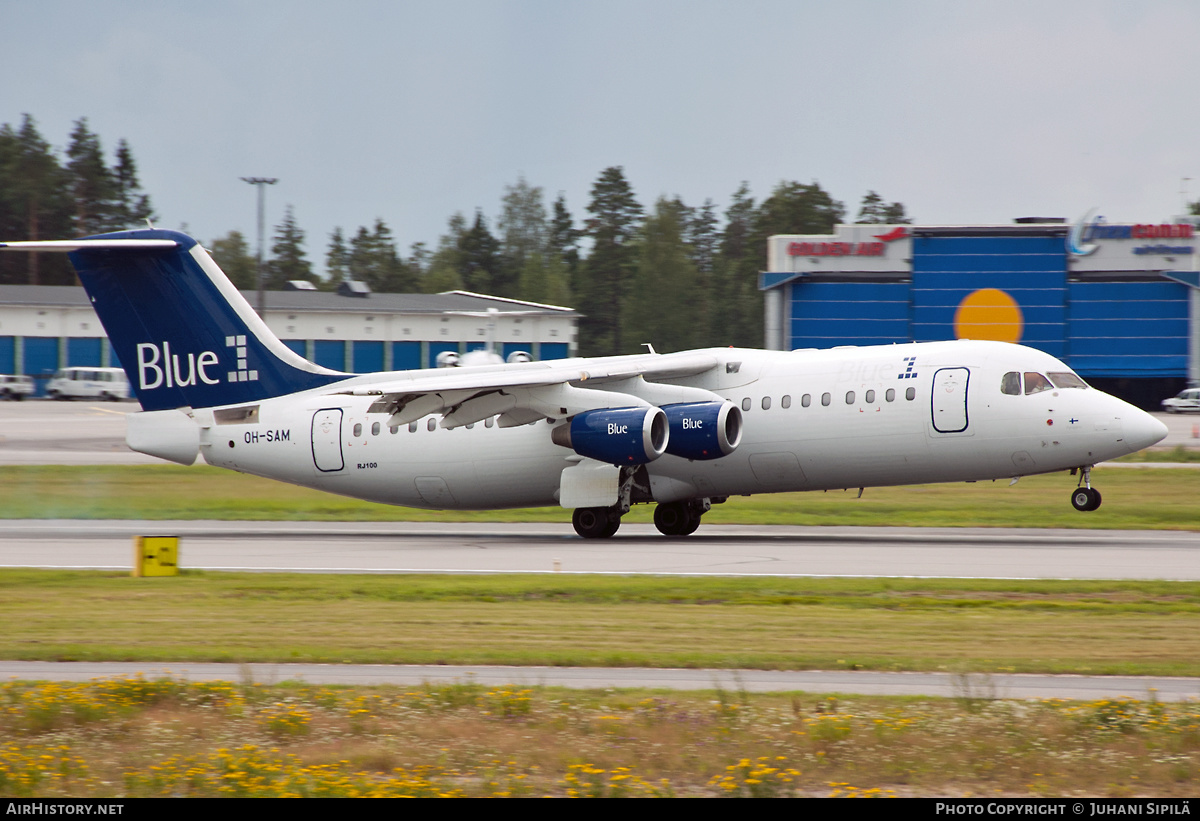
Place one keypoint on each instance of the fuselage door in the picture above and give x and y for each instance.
(949, 411)
(327, 440)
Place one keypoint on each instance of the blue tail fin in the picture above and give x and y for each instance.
(184, 334)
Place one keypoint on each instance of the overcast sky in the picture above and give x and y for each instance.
(967, 112)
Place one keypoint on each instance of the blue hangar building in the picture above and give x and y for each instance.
(1119, 303)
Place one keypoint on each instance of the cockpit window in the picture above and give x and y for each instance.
(1011, 384)
(1066, 380)
(1036, 383)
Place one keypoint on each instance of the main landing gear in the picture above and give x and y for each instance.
(596, 522)
(1085, 497)
(680, 518)
(671, 519)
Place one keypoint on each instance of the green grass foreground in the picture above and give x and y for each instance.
(1092, 627)
(1134, 498)
(132, 737)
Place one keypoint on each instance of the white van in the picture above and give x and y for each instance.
(15, 387)
(88, 383)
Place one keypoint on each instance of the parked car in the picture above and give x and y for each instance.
(15, 387)
(1186, 400)
(88, 383)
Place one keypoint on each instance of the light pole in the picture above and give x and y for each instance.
(260, 182)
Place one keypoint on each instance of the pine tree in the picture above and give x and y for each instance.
(479, 260)
(562, 244)
(534, 284)
(419, 259)
(523, 233)
(41, 198)
(133, 208)
(874, 211)
(442, 274)
(558, 282)
(394, 277)
(337, 261)
(92, 185)
(232, 253)
(734, 285)
(665, 301)
(703, 237)
(373, 260)
(613, 226)
(288, 262)
(796, 208)
(33, 192)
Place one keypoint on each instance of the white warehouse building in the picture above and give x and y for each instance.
(47, 327)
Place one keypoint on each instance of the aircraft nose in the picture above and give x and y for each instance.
(1142, 430)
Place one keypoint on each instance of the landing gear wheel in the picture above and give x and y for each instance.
(595, 522)
(614, 523)
(1085, 499)
(676, 519)
(671, 518)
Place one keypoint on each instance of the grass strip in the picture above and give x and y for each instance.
(133, 737)
(1134, 499)
(1131, 628)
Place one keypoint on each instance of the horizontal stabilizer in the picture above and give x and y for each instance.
(65, 245)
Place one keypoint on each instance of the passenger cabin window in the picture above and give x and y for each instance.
(826, 399)
(805, 400)
(766, 403)
(870, 397)
(375, 429)
(746, 404)
(412, 427)
(785, 402)
(431, 425)
(357, 429)
(1036, 383)
(890, 395)
(849, 397)
(910, 394)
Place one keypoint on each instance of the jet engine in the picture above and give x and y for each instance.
(703, 430)
(618, 436)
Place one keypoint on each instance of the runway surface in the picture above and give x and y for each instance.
(725, 550)
(944, 685)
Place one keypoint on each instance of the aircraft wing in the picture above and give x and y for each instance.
(526, 392)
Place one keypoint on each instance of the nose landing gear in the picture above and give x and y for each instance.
(1085, 497)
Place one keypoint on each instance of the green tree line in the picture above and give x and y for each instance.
(45, 196)
(674, 275)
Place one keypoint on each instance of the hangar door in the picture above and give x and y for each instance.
(949, 410)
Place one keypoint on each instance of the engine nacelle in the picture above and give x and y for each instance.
(703, 430)
(618, 436)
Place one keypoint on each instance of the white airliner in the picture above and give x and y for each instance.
(683, 430)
